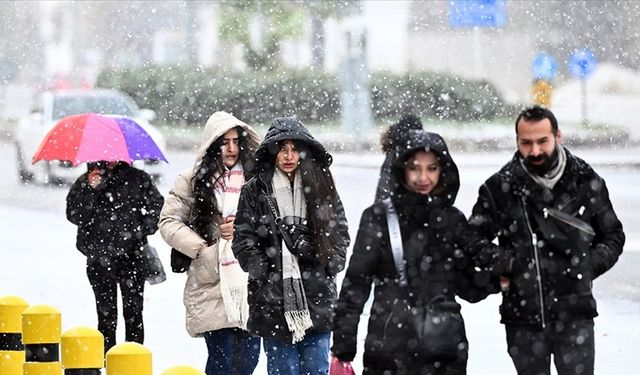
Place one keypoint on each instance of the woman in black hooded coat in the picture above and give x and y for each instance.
(291, 306)
(437, 250)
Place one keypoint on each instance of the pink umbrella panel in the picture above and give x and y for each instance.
(92, 137)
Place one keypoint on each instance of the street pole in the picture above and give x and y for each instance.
(583, 97)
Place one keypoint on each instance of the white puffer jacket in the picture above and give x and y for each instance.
(202, 298)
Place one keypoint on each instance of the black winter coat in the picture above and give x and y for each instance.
(116, 218)
(548, 283)
(257, 245)
(438, 249)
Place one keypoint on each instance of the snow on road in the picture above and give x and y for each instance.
(40, 264)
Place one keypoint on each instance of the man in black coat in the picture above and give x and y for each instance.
(115, 207)
(557, 231)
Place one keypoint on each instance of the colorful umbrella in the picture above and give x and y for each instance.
(92, 137)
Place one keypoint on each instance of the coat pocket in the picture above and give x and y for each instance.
(204, 269)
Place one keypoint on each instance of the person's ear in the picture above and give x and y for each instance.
(559, 137)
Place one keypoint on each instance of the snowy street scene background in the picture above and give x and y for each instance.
(348, 70)
(40, 263)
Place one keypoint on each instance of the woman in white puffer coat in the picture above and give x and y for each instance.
(197, 220)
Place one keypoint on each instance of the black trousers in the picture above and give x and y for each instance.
(571, 343)
(105, 273)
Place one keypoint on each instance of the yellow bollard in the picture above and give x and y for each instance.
(11, 348)
(41, 327)
(82, 351)
(129, 358)
(182, 370)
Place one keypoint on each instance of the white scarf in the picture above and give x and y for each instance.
(233, 281)
(291, 203)
(552, 177)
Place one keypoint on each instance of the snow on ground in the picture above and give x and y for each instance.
(41, 265)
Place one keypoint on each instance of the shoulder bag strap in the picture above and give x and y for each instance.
(395, 240)
(288, 241)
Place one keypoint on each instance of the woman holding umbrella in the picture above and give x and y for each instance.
(291, 237)
(115, 207)
(197, 220)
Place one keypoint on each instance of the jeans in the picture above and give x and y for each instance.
(309, 356)
(571, 343)
(232, 351)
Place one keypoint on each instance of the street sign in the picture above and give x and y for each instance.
(544, 67)
(582, 63)
(477, 13)
(542, 91)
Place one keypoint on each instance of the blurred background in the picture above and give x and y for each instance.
(347, 69)
(346, 65)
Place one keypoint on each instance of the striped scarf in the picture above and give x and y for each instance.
(233, 281)
(291, 203)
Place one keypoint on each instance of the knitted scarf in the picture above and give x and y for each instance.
(291, 203)
(233, 281)
(550, 178)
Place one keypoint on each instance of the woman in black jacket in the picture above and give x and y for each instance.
(437, 250)
(115, 207)
(291, 237)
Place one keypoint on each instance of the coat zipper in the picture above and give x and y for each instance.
(561, 207)
(534, 243)
(386, 322)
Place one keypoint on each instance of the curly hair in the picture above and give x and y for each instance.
(392, 136)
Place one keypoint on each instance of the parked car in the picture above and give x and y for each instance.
(50, 107)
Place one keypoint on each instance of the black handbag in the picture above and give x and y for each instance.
(566, 233)
(180, 263)
(438, 323)
(440, 329)
(155, 270)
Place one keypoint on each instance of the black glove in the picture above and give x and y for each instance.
(301, 238)
(495, 260)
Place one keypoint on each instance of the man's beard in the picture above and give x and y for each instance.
(548, 162)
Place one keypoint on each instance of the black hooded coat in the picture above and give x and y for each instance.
(257, 243)
(438, 251)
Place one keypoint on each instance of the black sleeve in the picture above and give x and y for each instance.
(337, 261)
(476, 281)
(356, 287)
(484, 228)
(152, 202)
(246, 241)
(610, 238)
(82, 202)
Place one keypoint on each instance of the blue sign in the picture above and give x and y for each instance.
(544, 66)
(477, 13)
(582, 63)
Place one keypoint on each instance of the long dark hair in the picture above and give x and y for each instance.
(206, 211)
(321, 199)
